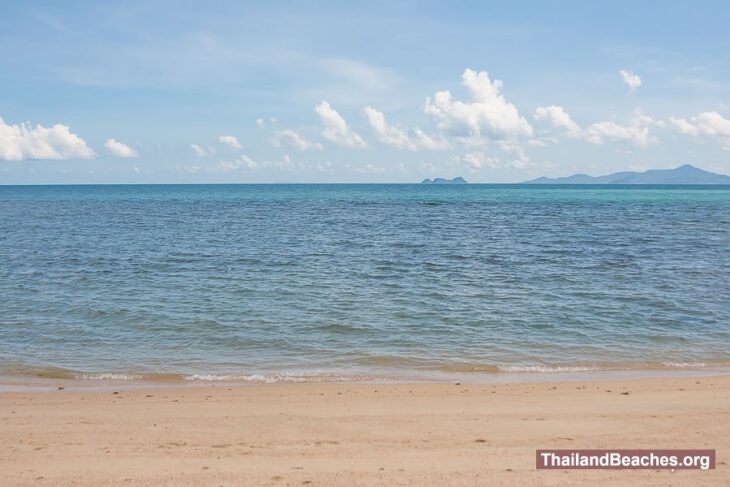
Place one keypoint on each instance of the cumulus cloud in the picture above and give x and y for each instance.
(541, 141)
(336, 129)
(632, 80)
(636, 131)
(242, 162)
(23, 141)
(683, 126)
(558, 118)
(201, 151)
(487, 115)
(231, 141)
(192, 169)
(260, 122)
(478, 160)
(119, 149)
(388, 134)
(705, 123)
(284, 164)
(397, 137)
(292, 140)
(521, 159)
(429, 142)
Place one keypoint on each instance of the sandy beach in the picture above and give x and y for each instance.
(357, 434)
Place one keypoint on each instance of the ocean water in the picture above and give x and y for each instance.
(327, 282)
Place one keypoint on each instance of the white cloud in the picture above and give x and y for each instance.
(397, 137)
(119, 149)
(284, 164)
(261, 123)
(429, 142)
(243, 162)
(487, 115)
(478, 160)
(558, 118)
(336, 129)
(710, 124)
(542, 141)
(23, 141)
(190, 168)
(201, 151)
(371, 168)
(632, 80)
(521, 160)
(636, 131)
(388, 134)
(683, 126)
(231, 141)
(705, 123)
(292, 140)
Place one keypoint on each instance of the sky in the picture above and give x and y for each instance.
(359, 92)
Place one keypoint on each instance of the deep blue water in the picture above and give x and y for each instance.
(362, 280)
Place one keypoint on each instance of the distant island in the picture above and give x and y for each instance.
(686, 174)
(456, 180)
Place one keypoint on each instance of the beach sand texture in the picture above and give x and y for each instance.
(357, 434)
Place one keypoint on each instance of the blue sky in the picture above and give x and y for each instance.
(195, 92)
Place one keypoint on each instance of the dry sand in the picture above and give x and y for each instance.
(357, 434)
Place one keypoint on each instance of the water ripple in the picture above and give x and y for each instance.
(349, 280)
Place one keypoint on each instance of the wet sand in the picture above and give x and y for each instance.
(357, 434)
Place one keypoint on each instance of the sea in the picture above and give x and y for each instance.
(335, 282)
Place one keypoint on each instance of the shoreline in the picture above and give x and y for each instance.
(357, 433)
(102, 381)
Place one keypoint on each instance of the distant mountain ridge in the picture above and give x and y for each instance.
(686, 174)
(456, 180)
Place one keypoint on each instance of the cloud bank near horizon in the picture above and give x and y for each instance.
(483, 131)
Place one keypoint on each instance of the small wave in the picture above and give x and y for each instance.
(372, 368)
(548, 368)
(483, 368)
(270, 378)
(109, 376)
(685, 365)
(56, 373)
(393, 361)
(38, 371)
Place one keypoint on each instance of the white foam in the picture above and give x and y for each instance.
(546, 368)
(684, 365)
(266, 379)
(109, 376)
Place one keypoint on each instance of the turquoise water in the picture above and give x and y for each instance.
(343, 281)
